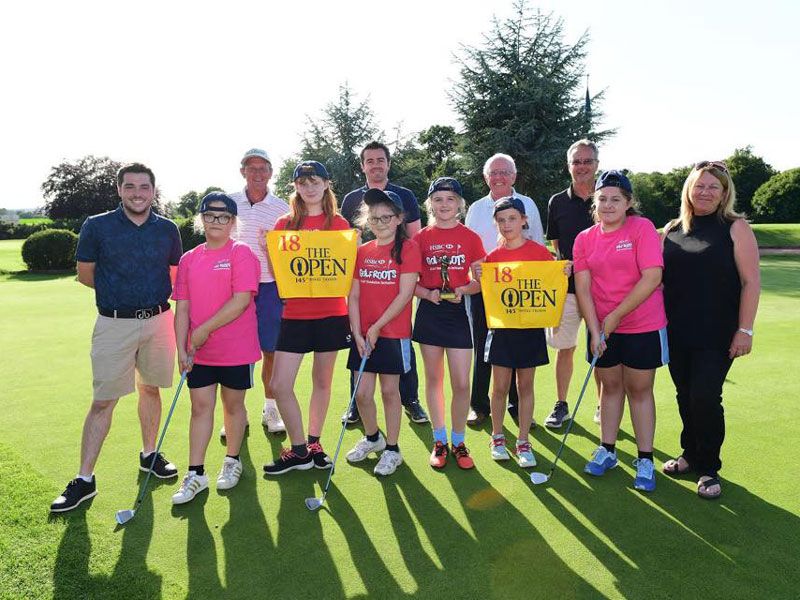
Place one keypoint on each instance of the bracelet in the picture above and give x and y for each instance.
(746, 331)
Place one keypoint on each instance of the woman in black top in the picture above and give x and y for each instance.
(711, 288)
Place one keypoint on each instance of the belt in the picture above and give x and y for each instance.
(136, 313)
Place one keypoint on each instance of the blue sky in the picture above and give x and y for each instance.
(188, 87)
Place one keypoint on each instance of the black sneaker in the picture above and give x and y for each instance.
(318, 456)
(415, 411)
(77, 491)
(351, 415)
(560, 414)
(288, 461)
(162, 468)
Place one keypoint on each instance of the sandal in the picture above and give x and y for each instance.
(702, 488)
(672, 467)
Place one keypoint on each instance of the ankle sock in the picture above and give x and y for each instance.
(457, 438)
(86, 478)
(498, 436)
(610, 447)
(374, 437)
(300, 449)
(647, 455)
(198, 469)
(313, 439)
(393, 447)
(440, 435)
(236, 457)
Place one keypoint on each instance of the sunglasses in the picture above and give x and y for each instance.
(714, 164)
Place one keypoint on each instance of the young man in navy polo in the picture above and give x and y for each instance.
(129, 257)
(375, 163)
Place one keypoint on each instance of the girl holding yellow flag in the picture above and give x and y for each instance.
(318, 325)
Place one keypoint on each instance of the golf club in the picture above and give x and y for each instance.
(123, 516)
(536, 477)
(315, 503)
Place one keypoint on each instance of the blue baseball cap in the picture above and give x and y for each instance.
(377, 196)
(509, 202)
(613, 179)
(309, 168)
(445, 184)
(230, 205)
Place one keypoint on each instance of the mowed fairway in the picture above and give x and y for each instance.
(482, 534)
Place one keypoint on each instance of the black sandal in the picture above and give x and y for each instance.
(675, 470)
(702, 487)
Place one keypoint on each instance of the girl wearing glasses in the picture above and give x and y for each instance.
(450, 251)
(308, 325)
(711, 289)
(217, 338)
(380, 319)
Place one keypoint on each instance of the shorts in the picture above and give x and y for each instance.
(648, 350)
(566, 334)
(445, 324)
(391, 356)
(239, 377)
(123, 347)
(300, 336)
(516, 348)
(269, 309)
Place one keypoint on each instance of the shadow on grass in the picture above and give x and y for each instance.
(36, 276)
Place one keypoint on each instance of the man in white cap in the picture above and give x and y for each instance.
(258, 210)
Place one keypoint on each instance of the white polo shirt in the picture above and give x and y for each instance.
(480, 218)
(255, 220)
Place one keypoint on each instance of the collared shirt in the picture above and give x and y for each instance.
(132, 262)
(480, 218)
(255, 220)
(568, 214)
(352, 202)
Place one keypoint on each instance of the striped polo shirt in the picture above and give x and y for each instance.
(255, 220)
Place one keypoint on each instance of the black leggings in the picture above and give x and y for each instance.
(698, 375)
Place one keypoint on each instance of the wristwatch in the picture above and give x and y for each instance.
(746, 331)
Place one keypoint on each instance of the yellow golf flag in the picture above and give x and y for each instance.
(524, 294)
(313, 264)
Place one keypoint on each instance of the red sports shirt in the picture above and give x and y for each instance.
(462, 245)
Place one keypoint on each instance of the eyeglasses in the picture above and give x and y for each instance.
(713, 164)
(383, 220)
(221, 219)
(501, 173)
(586, 162)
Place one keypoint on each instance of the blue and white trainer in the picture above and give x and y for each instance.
(602, 461)
(645, 479)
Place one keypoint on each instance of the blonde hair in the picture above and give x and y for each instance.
(462, 205)
(725, 210)
(298, 210)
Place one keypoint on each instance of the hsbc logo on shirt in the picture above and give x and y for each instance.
(378, 274)
(375, 261)
(624, 245)
(223, 265)
(442, 246)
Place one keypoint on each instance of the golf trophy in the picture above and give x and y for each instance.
(446, 293)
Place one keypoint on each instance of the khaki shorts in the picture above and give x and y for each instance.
(566, 334)
(122, 347)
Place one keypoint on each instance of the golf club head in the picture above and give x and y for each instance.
(313, 503)
(123, 516)
(538, 478)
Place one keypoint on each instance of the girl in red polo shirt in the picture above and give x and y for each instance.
(449, 252)
(380, 319)
(318, 325)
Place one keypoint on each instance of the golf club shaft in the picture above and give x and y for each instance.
(161, 439)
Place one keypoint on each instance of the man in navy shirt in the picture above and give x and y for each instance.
(375, 163)
(129, 257)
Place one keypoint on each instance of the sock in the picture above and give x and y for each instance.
(440, 435)
(270, 402)
(86, 478)
(198, 469)
(374, 437)
(300, 449)
(457, 438)
(498, 436)
(610, 447)
(393, 447)
(519, 441)
(313, 439)
(232, 456)
(146, 455)
(647, 455)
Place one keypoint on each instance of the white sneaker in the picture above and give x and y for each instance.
(525, 457)
(271, 418)
(597, 415)
(388, 463)
(191, 485)
(229, 474)
(498, 446)
(364, 448)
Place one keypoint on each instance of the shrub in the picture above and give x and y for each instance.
(50, 250)
(778, 200)
(189, 238)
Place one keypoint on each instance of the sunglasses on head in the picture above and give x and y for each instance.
(715, 164)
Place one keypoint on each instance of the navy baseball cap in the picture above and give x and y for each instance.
(376, 196)
(509, 202)
(613, 179)
(310, 168)
(445, 184)
(230, 205)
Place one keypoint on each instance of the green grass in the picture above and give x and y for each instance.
(35, 221)
(779, 235)
(422, 534)
(11, 256)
